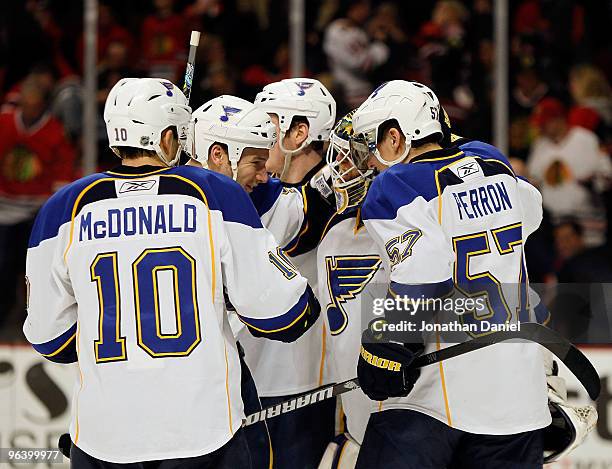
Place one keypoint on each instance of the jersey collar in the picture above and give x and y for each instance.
(123, 170)
(437, 155)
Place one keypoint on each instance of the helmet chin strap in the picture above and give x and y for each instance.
(401, 158)
(288, 154)
(163, 157)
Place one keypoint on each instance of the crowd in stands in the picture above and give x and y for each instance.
(560, 99)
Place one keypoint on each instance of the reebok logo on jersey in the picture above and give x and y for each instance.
(133, 186)
(228, 112)
(468, 169)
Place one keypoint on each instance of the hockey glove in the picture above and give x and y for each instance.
(384, 368)
(322, 183)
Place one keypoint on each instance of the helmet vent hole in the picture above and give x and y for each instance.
(207, 108)
(153, 97)
(417, 131)
(137, 122)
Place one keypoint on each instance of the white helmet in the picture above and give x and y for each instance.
(232, 121)
(305, 97)
(138, 110)
(415, 107)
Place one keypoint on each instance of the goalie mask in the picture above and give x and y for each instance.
(350, 179)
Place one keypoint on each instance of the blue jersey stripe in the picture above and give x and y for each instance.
(57, 345)
(425, 290)
(58, 210)
(282, 322)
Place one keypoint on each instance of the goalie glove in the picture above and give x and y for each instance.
(384, 367)
(570, 424)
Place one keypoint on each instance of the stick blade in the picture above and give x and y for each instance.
(584, 370)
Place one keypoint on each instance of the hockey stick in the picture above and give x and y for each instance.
(193, 47)
(573, 358)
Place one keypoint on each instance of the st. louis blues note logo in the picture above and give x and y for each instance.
(347, 276)
(303, 86)
(380, 87)
(169, 86)
(228, 112)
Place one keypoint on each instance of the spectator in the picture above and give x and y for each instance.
(593, 101)
(570, 169)
(164, 41)
(114, 66)
(442, 42)
(575, 262)
(351, 53)
(387, 28)
(577, 306)
(109, 32)
(528, 90)
(35, 160)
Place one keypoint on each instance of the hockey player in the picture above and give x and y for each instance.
(446, 219)
(570, 424)
(303, 111)
(151, 248)
(232, 137)
(347, 262)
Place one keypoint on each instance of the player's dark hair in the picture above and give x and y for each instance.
(222, 145)
(317, 145)
(386, 126)
(433, 138)
(132, 153)
(394, 124)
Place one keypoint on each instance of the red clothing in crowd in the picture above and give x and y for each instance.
(33, 160)
(164, 39)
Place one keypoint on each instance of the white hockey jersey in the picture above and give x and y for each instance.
(284, 369)
(127, 269)
(347, 262)
(454, 219)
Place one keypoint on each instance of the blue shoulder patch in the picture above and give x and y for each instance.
(396, 187)
(223, 194)
(265, 195)
(58, 210)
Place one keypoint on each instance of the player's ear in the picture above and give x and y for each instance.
(395, 137)
(167, 141)
(216, 155)
(300, 133)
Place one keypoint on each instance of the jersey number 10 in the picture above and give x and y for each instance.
(110, 345)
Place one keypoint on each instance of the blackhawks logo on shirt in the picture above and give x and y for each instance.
(20, 164)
